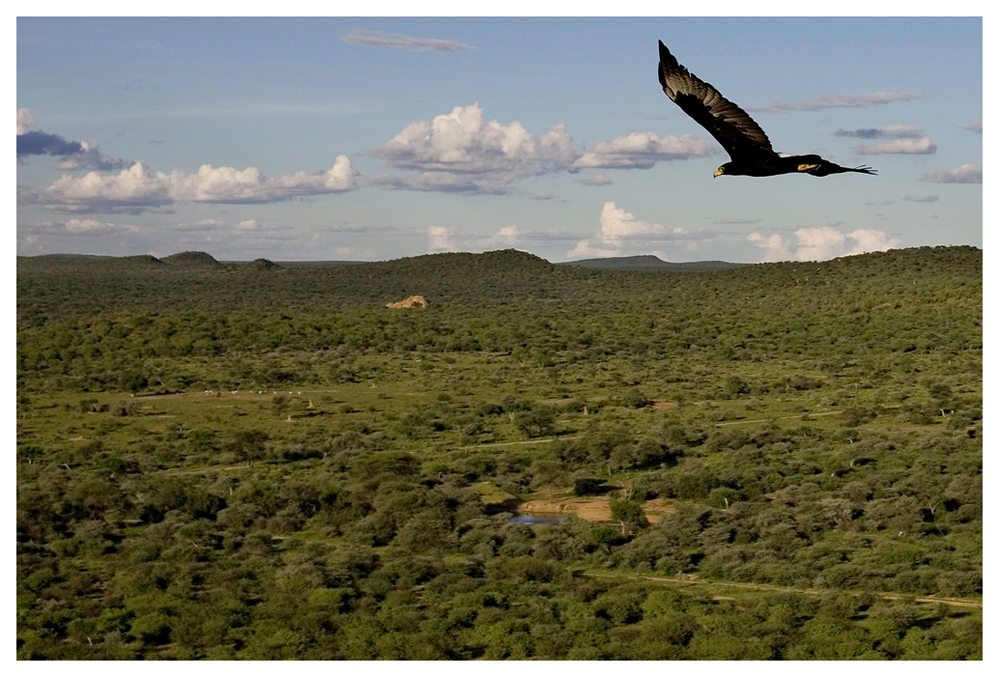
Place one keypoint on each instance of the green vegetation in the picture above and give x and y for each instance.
(219, 461)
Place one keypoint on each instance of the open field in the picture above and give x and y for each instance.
(782, 461)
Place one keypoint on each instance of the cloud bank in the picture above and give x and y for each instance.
(889, 131)
(921, 146)
(905, 139)
(836, 101)
(822, 243)
(642, 150)
(969, 173)
(360, 36)
(136, 188)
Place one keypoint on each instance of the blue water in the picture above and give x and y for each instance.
(529, 519)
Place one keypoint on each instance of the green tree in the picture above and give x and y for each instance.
(249, 446)
(627, 513)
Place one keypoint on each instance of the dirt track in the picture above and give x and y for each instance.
(691, 579)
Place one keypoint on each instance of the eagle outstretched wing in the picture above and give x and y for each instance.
(742, 138)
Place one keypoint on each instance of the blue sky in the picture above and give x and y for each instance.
(377, 138)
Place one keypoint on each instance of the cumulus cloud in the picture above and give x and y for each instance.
(822, 243)
(585, 249)
(439, 239)
(507, 236)
(923, 146)
(869, 240)
(643, 150)
(72, 154)
(776, 248)
(975, 126)
(969, 173)
(541, 195)
(922, 198)
(460, 151)
(137, 188)
(360, 36)
(617, 225)
(836, 101)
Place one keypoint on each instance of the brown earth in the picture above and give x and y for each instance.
(594, 509)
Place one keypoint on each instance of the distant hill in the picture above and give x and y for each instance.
(74, 256)
(264, 264)
(649, 262)
(316, 264)
(191, 259)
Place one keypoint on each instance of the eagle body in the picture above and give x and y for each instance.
(746, 143)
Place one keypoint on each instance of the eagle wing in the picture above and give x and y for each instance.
(742, 138)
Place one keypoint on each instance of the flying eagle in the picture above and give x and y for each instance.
(743, 139)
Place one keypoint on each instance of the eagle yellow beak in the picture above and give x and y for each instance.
(719, 171)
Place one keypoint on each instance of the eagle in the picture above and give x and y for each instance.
(748, 147)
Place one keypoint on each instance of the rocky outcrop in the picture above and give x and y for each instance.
(410, 302)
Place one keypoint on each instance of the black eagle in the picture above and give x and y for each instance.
(743, 139)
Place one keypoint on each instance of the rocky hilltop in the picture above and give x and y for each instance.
(415, 301)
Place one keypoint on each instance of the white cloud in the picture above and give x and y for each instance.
(597, 180)
(868, 240)
(360, 36)
(975, 126)
(836, 101)
(460, 151)
(137, 188)
(822, 243)
(508, 234)
(819, 244)
(439, 239)
(506, 237)
(643, 150)
(25, 119)
(775, 247)
(617, 225)
(922, 198)
(924, 145)
(968, 173)
(584, 249)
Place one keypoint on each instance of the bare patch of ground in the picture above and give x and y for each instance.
(595, 509)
